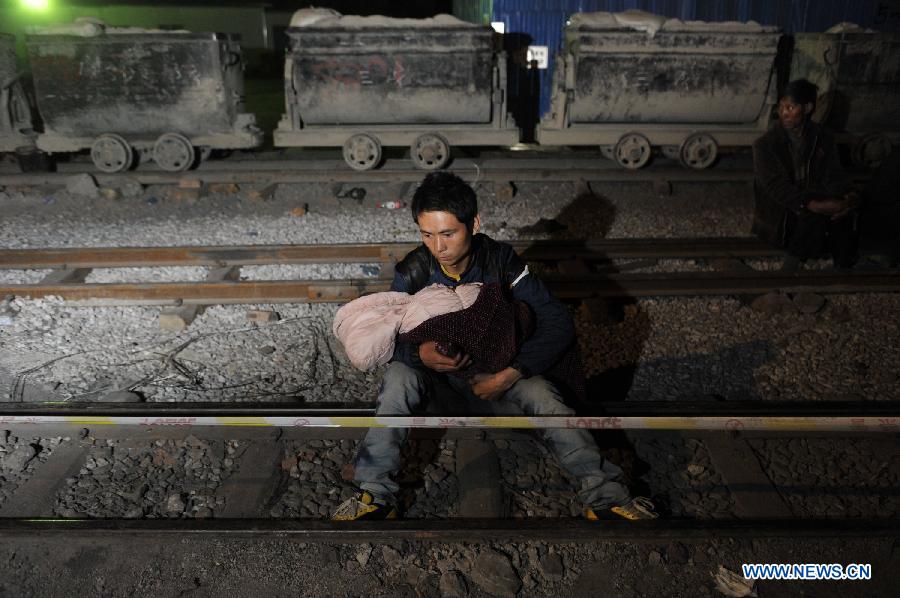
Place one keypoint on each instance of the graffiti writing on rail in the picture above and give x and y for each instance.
(168, 421)
(595, 423)
(13, 419)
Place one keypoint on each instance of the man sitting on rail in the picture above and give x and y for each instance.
(801, 204)
(453, 253)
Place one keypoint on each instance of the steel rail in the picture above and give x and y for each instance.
(265, 174)
(237, 255)
(456, 530)
(294, 406)
(567, 287)
(867, 417)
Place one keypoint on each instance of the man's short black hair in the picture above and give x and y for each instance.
(801, 91)
(443, 191)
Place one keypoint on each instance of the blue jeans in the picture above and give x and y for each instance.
(405, 389)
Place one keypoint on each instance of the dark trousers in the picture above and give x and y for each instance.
(816, 235)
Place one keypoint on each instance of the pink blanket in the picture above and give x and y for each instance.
(368, 327)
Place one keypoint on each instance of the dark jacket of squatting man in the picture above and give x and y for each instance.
(780, 195)
(494, 262)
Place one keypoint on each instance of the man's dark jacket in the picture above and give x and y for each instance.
(495, 262)
(780, 198)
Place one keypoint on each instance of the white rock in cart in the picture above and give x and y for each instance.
(18, 459)
(82, 185)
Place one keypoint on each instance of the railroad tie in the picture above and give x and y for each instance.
(178, 318)
(36, 497)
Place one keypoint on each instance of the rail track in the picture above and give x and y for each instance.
(520, 169)
(453, 530)
(584, 270)
(761, 512)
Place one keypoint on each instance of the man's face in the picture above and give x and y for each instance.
(448, 239)
(791, 114)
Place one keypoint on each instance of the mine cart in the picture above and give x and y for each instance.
(363, 83)
(858, 75)
(130, 94)
(15, 111)
(629, 83)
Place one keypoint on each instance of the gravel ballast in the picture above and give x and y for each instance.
(650, 349)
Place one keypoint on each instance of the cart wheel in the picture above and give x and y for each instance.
(173, 152)
(871, 150)
(430, 151)
(698, 151)
(111, 153)
(632, 151)
(362, 152)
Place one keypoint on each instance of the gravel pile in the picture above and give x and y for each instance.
(170, 274)
(161, 479)
(680, 477)
(542, 569)
(316, 485)
(695, 348)
(824, 477)
(55, 351)
(429, 487)
(22, 276)
(321, 474)
(20, 458)
(535, 485)
(310, 272)
(676, 348)
(613, 210)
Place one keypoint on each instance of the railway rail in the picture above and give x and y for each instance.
(454, 530)
(243, 255)
(545, 168)
(730, 416)
(577, 261)
(29, 510)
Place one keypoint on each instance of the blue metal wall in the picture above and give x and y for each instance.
(540, 22)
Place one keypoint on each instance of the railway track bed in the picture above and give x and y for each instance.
(242, 510)
(578, 274)
(683, 551)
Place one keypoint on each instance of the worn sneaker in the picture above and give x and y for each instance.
(637, 508)
(362, 505)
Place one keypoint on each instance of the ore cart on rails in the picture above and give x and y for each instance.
(364, 83)
(858, 75)
(131, 95)
(686, 88)
(16, 134)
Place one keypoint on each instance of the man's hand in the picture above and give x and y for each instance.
(826, 207)
(438, 362)
(836, 208)
(490, 387)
